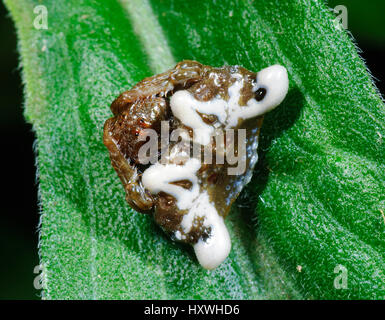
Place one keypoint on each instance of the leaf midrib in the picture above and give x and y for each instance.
(150, 34)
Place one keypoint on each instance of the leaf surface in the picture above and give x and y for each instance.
(314, 211)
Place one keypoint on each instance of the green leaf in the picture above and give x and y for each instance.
(314, 211)
(366, 22)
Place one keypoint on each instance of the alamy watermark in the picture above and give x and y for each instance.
(229, 146)
(41, 19)
(341, 20)
(341, 280)
(38, 280)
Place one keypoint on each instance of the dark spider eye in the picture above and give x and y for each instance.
(260, 94)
